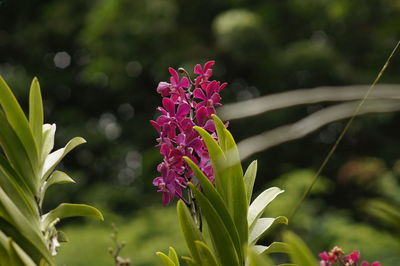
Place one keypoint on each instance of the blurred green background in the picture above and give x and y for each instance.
(99, 63)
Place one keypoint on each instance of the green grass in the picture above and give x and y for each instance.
(153, 229)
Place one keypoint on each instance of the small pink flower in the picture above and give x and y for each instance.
(204, 73)
(209, 96)
(164, 88)
(352, 258)
(324, 255)
(177, 86)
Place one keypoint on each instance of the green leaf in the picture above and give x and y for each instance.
(22, 256)
(173, 256)
(66, 210)
(220, 127)
(36, 112)
(16, 154)
(207, 257)
(215, 199)
(218, 161)
(18, 122)
(229, 179)
(262, 225)
(237, 198)
(258, 206)
(256, 259)
(223, 243)
(190, 262)
(47, 141)
(298, 250)
(5, 249)
(16, 188)
(276, 247)
(57, 177)
(165, 259)
(189, 229)
(249, 179)
(54, 158)
(386, 212)
(29, 229)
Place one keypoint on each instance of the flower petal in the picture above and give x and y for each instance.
(183, 109)
(210, 126)
(184, 83)
(208, 64)
(174, 76)
(198, 69)
(199, 94)
(201, 115)
(169, 106)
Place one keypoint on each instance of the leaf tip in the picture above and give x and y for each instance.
(35, 81)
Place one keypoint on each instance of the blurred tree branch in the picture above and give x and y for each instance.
(305, 96)
(301, 128)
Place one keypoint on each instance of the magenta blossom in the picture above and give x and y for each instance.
(203, 72)
(336, 256)
(185, 104)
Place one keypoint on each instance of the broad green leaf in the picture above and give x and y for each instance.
(218, 161)
(262, 225)
(386, 212)
(36, 112)
(165, 259)
(256, 259)
(16, 188)
(249, 178)
(277, 247)
(27, 245)
(258, 206)
(237, 198)
(54, 158)
(229, 179)
(220, 127)
(173, 256)
(18, 122)
(190, 262)
(13, 256)
(28, 229)
(223, 243)
(298, 250)
(48, 141)
(207, 257)
(215, 199)
(66, 210)
(16, 153)
(22, 256)
(5, 249)
(189, 229)
(57, 177)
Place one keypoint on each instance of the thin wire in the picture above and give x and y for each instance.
(339, 139)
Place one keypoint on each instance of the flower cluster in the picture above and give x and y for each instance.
(336, 256)
(185, 104)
